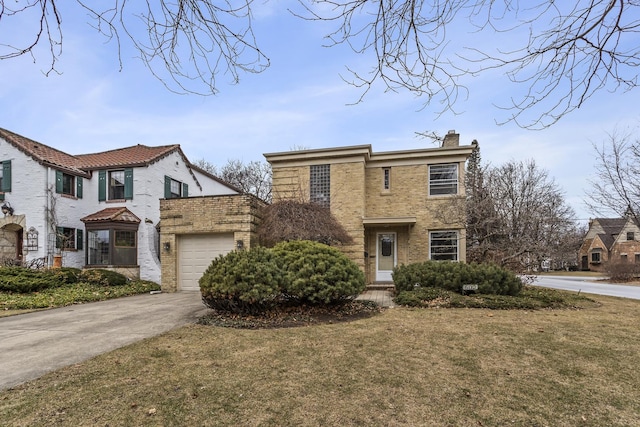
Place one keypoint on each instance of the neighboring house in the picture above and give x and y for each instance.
(610, 239)
(92, 210)
(400, 207)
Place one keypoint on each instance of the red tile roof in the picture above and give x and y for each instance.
(43, 154)
(119, 214)
(138, 155)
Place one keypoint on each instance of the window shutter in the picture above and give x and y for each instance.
(185, 190)
(128, 184)
(58, 181)
(102, 186)
(79, 239)
(58, 237)
(167, 187)
(6, 176)
(79, 187)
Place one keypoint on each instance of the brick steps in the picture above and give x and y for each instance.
(381, 286)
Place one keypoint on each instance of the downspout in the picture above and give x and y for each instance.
(46, 216)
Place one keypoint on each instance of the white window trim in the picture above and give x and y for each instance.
(457, 233)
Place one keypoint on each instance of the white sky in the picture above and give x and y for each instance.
(300, 100)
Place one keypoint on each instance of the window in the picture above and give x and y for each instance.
(68, 238)
(637, 258)
(443, 245)
(595, 257)
(631, 235)
(68, 184)
(320, 185)
(115, 185)
(386, 178)
(443, 179)
(5, 178)
(623, 257)
(112, 247)
(174, 189)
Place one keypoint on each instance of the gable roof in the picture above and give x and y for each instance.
(120, 214)
(44, 154)
(611, 227)
(137, 155)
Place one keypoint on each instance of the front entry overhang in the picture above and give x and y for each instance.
(389, 221)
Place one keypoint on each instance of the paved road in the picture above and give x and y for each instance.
(588, 285)
(33, 344)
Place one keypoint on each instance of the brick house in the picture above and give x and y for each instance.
(92, 210)
(610, 239)
(400, 207)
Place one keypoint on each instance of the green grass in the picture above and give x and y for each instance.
(15, 303)
(402, 367)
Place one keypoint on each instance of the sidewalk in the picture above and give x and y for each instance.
(382, 298)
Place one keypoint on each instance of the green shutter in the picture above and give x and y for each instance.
(185, 190)
(58, 181)
(79, 187)
(167, 187)
(79, 239)
(128, 184)
(58, 237)
(6, 176)
(102, 186)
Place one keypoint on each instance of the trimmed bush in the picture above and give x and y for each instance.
(318, 274)
(243, 281)
(451, 276)
(25, 280)
(103, 277)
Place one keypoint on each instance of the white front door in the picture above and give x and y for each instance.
(386, 256)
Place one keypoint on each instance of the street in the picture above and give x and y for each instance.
(588, 285)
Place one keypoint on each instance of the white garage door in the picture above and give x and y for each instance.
(195, 253)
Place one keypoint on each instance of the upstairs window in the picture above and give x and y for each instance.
(68, 184)
(174, 189)
(115, 185)
(386, 179)
(320, 185)
(443, 179)
(631, 235)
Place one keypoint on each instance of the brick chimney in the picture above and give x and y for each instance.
(451, 139)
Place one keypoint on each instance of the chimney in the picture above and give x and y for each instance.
(451, 139)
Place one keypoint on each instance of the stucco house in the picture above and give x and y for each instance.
(399, 207)
(610, 239)
(92, 210)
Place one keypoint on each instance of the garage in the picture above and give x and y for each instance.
(195, 253)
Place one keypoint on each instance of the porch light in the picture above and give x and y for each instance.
(167, 246)
(239, 245)
(6, 208)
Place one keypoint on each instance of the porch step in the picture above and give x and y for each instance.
(381, 286)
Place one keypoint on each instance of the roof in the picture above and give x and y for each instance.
(120, 214)
(44, 154)
(611, 227)
(137, 155)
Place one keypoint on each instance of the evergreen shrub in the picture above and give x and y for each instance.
(242, 281)
(26, 280)
(98, 276)
(318, 274)
(451, 276)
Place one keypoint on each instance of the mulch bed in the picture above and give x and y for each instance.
(293, 316)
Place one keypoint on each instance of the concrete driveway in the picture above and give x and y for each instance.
(33, 344)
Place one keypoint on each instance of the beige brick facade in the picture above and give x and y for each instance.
(238, 214)
(365, 208)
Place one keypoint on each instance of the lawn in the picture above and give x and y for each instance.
(402, 367)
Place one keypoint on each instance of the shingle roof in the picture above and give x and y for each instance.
(43, 154)
(138, 155)
(611, 227)
(120, 214)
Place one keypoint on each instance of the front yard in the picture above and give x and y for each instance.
(413, 367)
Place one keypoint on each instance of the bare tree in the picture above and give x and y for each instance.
(617, 185)
(562, 52)
(517, 217)
(252, 178)
(287, 220)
